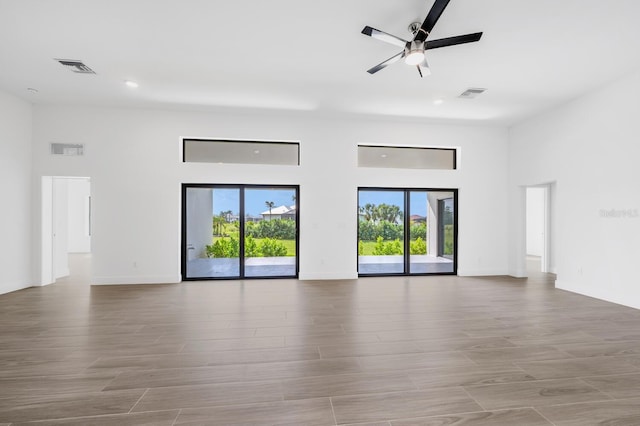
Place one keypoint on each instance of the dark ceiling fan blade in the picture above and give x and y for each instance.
(386, 63)
(452, 41)
(386, 37)
(431, 19)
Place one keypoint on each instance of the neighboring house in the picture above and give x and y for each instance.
(252, 218)
(282, 212)
(291, 214)
(230, 217)
(416, 218)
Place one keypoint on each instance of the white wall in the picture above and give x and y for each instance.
(200, 213)
(535, 221)
(15, 187)
(78, 194)
(590, 148)
(133, 159)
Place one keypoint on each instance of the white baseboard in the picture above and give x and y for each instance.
(571, 287)
(10, 287)
(567, 286)
(520, 273)
(481, 272)
(64, 273)
(136, 279)
(327, 276)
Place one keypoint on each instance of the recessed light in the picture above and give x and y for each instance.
(383, 155)
(438, 101)
(131, 84)
(32, 90)
(257, 151)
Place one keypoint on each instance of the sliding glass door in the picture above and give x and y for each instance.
(270, 232)
(381, 232)
(432, 225)
(239, 231)
(406, 231)
(418, 216)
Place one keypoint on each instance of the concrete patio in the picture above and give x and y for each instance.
(230, 267)
(420, 264)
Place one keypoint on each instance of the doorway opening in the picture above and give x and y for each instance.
(407, 231)
(66, 229)
(539, 238)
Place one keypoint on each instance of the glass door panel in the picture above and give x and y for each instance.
(435, 227)
(212, 233)
(381, 232)
(271, 228)
(418, 239)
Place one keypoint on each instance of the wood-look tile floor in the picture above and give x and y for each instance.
(374, 351)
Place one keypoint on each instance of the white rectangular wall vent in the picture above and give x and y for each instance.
(68, 149)
(472, 93)
(76, 66)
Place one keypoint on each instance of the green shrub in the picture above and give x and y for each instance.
(230, 247)
(391, 248)
(419, 246)
(360, 248)
(418, 230)
(448, 240)
(369, 230)
(272, 248)
(224, 248)
(282, 229)
(251, 247)
(390, 231)
(378, 249)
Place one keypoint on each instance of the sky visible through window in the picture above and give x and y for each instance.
(418, 200)
(254, 201)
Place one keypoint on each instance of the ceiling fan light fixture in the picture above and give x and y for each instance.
(414, 53)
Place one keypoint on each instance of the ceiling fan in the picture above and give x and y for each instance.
(414, 51)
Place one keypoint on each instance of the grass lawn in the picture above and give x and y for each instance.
(367, 248)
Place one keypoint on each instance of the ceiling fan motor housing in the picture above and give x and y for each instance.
(414, 52)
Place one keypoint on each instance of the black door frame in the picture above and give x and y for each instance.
(441, 225)
(407, 227)
(241, 226)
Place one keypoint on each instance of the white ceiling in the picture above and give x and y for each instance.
(303, 55)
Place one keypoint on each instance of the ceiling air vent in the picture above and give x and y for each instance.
(76, 66)
(68, 149)
(471, 93)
